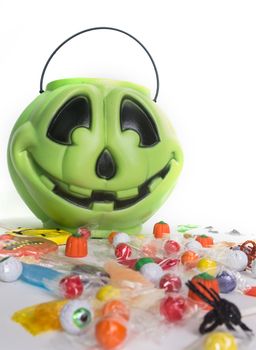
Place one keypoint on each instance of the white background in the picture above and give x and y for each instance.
(206, 55)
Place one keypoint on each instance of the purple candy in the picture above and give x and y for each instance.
(227, 282)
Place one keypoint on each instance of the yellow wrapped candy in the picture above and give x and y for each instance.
(108, 292)
(207, 265)
(40, 318)
(220, 341)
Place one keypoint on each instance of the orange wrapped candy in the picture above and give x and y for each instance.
(110, 332)
(190, 259)
(116, 307)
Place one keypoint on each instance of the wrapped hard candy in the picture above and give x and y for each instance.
(193, 245)
(227, 282)
(120, 237)
(123, 251)
(10, 269)
(171, 247)
(170, 283)
(220, 341)
(236, 260)
(152, 272)
(173, 308)
(71, 287)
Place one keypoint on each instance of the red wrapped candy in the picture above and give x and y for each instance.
(173, 308)
(171, 247)
(71, 286)
(123, 251)
(170, 283)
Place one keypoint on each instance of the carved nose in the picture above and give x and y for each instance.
(105, 166)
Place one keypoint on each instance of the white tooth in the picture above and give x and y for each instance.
(132, 192)
(79, 190)
(155, 183)
(47, 182)
(99, 206)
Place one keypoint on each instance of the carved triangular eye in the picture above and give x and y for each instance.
(74, 114)
(135, 117)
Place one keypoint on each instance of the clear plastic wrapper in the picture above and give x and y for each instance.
(65, 285)
(40, 318)
(221, 340)
(25, 246)
(69, 265)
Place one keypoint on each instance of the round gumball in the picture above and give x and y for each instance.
(71, 287)
(227, 282)
(110, 332)
(253, 269)
(120, 237)
(207, 265)
(173, 308)
(170, 283)
(111, 236)
(116, 308)
(123, 251)
(10, 269)
(152, 272)
(107, 292)
(189, 259)
(171, 247)
(142, 261)
(194, 245)
(76, 316)
(220, 341)
(236, 260)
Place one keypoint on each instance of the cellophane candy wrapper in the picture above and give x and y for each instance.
(65, 264)
(40, 318)
(68, 284)
(142, 324)
(221, 339)
(26, 247)
(75, 285)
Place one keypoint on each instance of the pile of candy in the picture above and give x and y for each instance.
(166, 278)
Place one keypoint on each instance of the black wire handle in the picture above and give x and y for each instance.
(100, 28)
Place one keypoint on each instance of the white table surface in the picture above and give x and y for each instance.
(17, 295)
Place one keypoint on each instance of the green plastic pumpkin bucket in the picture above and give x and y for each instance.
(94, 152)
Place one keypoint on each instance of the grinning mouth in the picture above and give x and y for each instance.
(102, 200)
(105, 196)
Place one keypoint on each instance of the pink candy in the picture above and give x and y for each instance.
(173, 308)
(170, 283)
(171, 247)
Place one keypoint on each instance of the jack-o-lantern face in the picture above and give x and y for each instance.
(91, 151)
